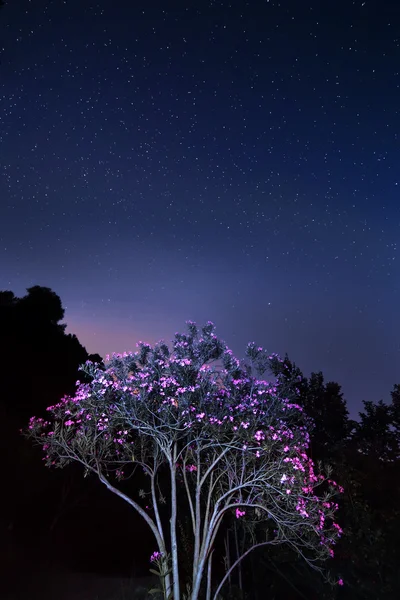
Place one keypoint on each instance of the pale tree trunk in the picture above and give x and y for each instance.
(208, 597)
(174, 542)
(208, 538)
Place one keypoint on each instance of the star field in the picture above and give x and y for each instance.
(239, 162)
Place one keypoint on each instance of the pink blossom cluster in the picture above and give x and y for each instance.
(155, 556)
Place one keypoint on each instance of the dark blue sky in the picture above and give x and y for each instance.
(239, 162)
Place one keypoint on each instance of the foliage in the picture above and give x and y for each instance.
(30, 327)
(375, 435)
(329, 423)
(39, 362)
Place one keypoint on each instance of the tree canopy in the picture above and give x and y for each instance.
(232, 444)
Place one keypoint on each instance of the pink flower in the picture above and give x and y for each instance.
(155, 556)
(240, 513)
(340, 582)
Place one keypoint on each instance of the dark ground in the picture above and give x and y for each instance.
(27, 576)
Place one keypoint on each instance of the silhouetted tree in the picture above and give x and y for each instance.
(38, 365)
(368, 465)
(33, 345)
(396, 394)
(395, 411)
(324, 404)
(7, 298)
(41, 307)
(375, 435)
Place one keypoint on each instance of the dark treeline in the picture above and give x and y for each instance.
(52, 519)
(45, 514)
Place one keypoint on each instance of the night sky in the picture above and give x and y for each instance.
(240, 162)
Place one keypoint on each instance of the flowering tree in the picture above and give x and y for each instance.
(232, 444)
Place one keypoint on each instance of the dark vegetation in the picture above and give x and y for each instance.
(52, 520)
